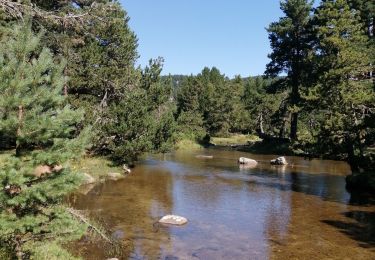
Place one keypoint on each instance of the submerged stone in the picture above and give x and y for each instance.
(279, 161)
(204, 156)
(173, 220)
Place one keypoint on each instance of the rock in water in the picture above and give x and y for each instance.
(247, 161)
(204, 156)
(126, 169)
(173, 220)
(279, 161)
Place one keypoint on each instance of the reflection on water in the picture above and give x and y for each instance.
(299, 211)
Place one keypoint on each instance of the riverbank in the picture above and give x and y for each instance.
(204, 191)
(361, 181)
(99, 168)
(94, 168)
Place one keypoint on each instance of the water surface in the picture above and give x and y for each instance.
(299, 211)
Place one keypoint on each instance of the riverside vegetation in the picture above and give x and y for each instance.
(69, 86)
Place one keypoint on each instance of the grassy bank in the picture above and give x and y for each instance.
(97, 167)
(260, 147)
(187, 144)
(234, 140)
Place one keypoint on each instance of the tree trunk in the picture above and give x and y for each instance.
(295, 98)
(293, 126)
(65, 90)
(260, 122)
(19, 129)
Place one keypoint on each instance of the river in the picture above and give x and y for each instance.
(298, 211)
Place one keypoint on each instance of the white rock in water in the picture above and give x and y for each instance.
(244, 160)
(204, 156)
(279, 161)
(173, 220)
(126, 169)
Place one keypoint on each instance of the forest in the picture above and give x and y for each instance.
(70, 87)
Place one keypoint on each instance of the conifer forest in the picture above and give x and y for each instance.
(71, 90)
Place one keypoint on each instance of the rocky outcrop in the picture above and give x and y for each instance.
(247, 161)
(115, 175)
(173, 220)
(88, 179)
(279, 161)
(44, 170)
(85, 189)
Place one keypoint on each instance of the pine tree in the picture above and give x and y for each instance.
(34, 115)
(260, 105)
(189, 115)
(142, 121)
(344, 95)
(238, 118)
(216, 101)
(290, 43)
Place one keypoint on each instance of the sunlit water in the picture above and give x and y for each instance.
(299, 211)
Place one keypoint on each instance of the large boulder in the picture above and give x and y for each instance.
(279, 161)
(173, 220)
(247, 161)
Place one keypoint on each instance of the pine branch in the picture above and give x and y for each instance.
(79, 216)
(19, 11)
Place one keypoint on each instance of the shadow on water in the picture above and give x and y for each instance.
(360, 226)
(233, 211)
(325, 186)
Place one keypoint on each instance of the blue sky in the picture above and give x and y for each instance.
(192, 34)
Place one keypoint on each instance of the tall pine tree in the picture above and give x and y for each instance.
(290, 44)
(42, 127)
(344, 94)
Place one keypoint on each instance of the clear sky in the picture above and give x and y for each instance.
(192, 34)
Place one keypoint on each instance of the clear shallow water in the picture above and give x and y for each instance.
(299, 211)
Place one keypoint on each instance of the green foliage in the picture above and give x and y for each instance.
(290, 40)
(100, 50)
(34, 115)
(142, 120)
(262, 106)
(189, 116)
(343, 94)
(210, 102)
